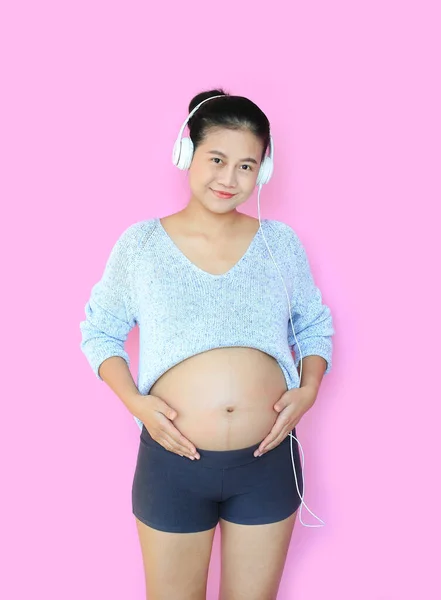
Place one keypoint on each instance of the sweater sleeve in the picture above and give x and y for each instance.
(110, 314)
(312, 319)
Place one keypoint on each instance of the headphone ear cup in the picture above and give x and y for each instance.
(176, 152)
(265, 171)
(183, 153)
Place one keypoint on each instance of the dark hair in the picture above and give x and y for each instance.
(232, 112)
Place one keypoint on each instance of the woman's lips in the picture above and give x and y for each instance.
(222, 194)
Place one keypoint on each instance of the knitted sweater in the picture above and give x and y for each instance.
(182, 310)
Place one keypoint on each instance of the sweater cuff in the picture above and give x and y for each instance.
(101, 354)
(315, 347)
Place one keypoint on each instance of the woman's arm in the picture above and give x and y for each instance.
(110, 314)
(313, 370)
(312, 319)
(115, 372)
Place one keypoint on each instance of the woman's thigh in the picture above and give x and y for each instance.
(175, 564)
(257, 517)
(253, 559)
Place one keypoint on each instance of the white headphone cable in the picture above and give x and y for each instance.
(300, 377)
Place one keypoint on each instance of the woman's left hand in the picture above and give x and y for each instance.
(291, 407)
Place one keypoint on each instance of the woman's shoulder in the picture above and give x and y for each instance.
(132, 239)
(136, 233)
(284, 231)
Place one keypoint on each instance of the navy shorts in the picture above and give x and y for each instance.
(173, 493)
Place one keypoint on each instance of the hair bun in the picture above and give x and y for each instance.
(204, 96)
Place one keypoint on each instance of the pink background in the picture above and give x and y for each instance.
(93, 96)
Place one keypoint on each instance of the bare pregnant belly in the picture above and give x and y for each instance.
(224, 397)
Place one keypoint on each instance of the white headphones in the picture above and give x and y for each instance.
(183, 151)
(182, 157)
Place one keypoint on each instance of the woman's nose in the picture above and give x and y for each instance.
(228, 177)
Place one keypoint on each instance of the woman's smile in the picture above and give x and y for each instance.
(224, 195)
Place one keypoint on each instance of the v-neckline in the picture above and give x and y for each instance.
(179, 252)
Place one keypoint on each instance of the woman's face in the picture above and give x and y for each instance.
(226, 161)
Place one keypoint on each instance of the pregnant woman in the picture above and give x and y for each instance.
(221, 300)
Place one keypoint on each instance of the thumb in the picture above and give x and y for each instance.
(169, 412)
(280, 404)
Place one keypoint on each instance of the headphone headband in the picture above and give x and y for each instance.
(194, 110)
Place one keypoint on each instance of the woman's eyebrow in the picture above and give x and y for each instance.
(249, 159)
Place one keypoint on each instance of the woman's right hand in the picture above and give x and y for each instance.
(157, 417)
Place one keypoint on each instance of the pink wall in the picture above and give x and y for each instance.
(93, 96)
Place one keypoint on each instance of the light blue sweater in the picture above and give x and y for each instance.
(182, 310)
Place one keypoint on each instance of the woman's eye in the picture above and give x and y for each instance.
(216, 158)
